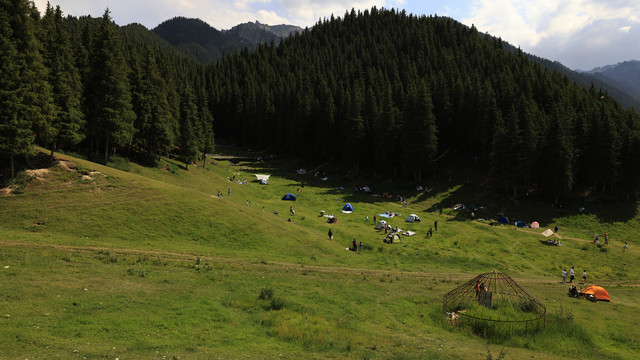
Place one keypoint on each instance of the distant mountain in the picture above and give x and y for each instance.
(625, 75)
(200, 41)
(627, 95)
(196, 38)
(251, 34)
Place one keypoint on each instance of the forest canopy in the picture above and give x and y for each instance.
(378, 92)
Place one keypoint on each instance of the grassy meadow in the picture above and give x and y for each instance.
(140, 262)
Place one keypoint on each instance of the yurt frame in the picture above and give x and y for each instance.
(504, 308)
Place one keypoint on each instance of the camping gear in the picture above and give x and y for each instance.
(503, 220)
(519, 224)
(380, 225)
(332, 220)
(535, 225)
(547, 232)
(347, 209)
(392, 238)
(412, 218)
(409, 233)
(598, 292)
(550, 242)
(262, 177)
(289, 197)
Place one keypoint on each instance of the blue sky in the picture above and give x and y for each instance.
(581, 34)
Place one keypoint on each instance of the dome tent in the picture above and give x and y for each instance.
(289, 197)
(493, 304)
(347, 209)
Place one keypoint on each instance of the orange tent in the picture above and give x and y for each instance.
(599, 292)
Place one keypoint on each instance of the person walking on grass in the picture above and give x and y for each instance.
(572, 274)
(330, 234)
(564, 276)
(584, 276)
(626, 246)
(435, 225)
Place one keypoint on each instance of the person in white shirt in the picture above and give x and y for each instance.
(572, 273)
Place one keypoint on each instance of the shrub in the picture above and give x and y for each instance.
(266, 293)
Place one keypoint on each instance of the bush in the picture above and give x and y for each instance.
(266, 293)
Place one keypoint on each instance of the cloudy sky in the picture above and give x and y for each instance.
(581, 34)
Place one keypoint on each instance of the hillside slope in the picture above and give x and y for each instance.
(101, 262)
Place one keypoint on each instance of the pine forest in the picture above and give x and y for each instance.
(377, 92)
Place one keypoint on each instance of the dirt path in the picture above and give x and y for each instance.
(284, 265)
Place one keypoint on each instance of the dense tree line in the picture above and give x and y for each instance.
(379, 92)
(87, 85)
(394, 93)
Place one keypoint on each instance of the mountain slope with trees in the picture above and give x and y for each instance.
(378, 92)
(625, 75)
(346, 91)
(203, 43)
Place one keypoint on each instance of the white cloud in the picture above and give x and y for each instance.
(547, 27)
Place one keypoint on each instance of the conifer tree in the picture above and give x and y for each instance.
(108, 96)
(188, 141)
(64, 79)
(36, 100)
(15, 130)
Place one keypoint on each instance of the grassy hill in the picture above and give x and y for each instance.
(151, 263)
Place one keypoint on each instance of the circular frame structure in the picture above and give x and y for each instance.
(493, 304)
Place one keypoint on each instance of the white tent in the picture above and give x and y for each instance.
(412, 218)
(547, 232)
(380, 225)
(263, 179)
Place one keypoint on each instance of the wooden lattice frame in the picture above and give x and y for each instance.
(505, 308)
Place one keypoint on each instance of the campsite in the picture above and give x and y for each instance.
(236, 280)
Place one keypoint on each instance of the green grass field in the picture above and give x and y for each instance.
(150, 263)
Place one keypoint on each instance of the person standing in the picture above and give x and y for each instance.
(606, 238)
(584, 276)
(330, 234)
(555, 230)
(229, 192)
(247, 203)
(435, 225)
(564, 276)
(572, 275)
(361, 248)
(355, 245)
(374, 219)
(626, 246)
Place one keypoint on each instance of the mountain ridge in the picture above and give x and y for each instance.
(204, 43)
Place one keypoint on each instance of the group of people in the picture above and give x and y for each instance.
(572, 274)
(596, 238)
(358, 248)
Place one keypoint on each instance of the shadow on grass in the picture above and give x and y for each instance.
(451, 187)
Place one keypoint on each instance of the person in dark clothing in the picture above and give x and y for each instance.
(435, 225)
(330, 234)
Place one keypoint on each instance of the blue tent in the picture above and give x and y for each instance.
(519, 224)
(348, 208)
(503, 220)
(289, 197)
